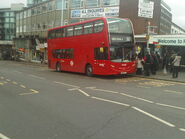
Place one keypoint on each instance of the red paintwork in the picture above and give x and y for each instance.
(83, 46)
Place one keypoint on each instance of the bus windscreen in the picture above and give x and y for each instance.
(121, 40)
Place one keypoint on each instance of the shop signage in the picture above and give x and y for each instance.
(95, 12)
(168, 41)
(145, 9)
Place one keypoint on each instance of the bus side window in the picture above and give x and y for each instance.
(88, 28)
(58, 33)
(78, 30)
(51, 34)
(69, 31)
(101, 53)
(98, 26)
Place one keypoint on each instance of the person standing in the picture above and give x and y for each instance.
(140, 63)
(176, 65)
(147, 64)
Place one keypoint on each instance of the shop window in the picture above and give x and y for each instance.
(92, 3)
(110, 2)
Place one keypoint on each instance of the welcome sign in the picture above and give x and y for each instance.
(169, 40)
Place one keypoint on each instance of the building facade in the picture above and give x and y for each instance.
(34, 2)
(175, 29)
(7, 30)
(160, 22)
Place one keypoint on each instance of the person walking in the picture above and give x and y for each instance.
(41, 58)
(176, 65)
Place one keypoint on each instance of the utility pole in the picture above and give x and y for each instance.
(148, 37)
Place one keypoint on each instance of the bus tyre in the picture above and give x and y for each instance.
(58, 67)
(89, 71)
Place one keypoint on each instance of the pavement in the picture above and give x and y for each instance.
(160, 75)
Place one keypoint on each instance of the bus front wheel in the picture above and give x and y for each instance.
(58, 67)
(89, 71)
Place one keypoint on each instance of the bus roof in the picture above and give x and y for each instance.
(86, 21)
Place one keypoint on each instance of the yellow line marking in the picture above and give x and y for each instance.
(14, 83)
(1, 83)
(31, 93)
(22, 86)
(3, 136)
(143, 87)
(181, 129)
(5, 82)
(34, 91)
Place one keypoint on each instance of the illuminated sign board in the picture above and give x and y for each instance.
(169, 40)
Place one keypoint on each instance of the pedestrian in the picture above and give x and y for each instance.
(140, 63)
(154, 63)
(176, 65)
(147, 64)
(41, 58)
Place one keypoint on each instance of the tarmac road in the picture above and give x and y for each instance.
(39, 103)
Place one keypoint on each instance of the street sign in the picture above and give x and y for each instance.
(145, 9)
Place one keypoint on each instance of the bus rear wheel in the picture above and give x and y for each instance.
(89, 71)
(58, 67)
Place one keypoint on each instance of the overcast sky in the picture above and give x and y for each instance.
(177, 7)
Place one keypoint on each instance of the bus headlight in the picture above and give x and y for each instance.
(112, 66)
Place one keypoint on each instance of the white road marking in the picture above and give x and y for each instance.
(3, 136)
(42, 78)
(154, 117)
(2, 78)
(137, 98)
(94, 88)
(176, 107)
(171, 91)
(18, 72)
(182, 129)
(8, 80)
(73, 89)
(83, 92)
(106, 100)
(66, 84)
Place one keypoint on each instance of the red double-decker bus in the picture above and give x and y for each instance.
(101, 46)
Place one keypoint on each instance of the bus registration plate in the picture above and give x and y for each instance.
(123, 72)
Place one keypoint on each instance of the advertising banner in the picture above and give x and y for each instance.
(95, 12)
